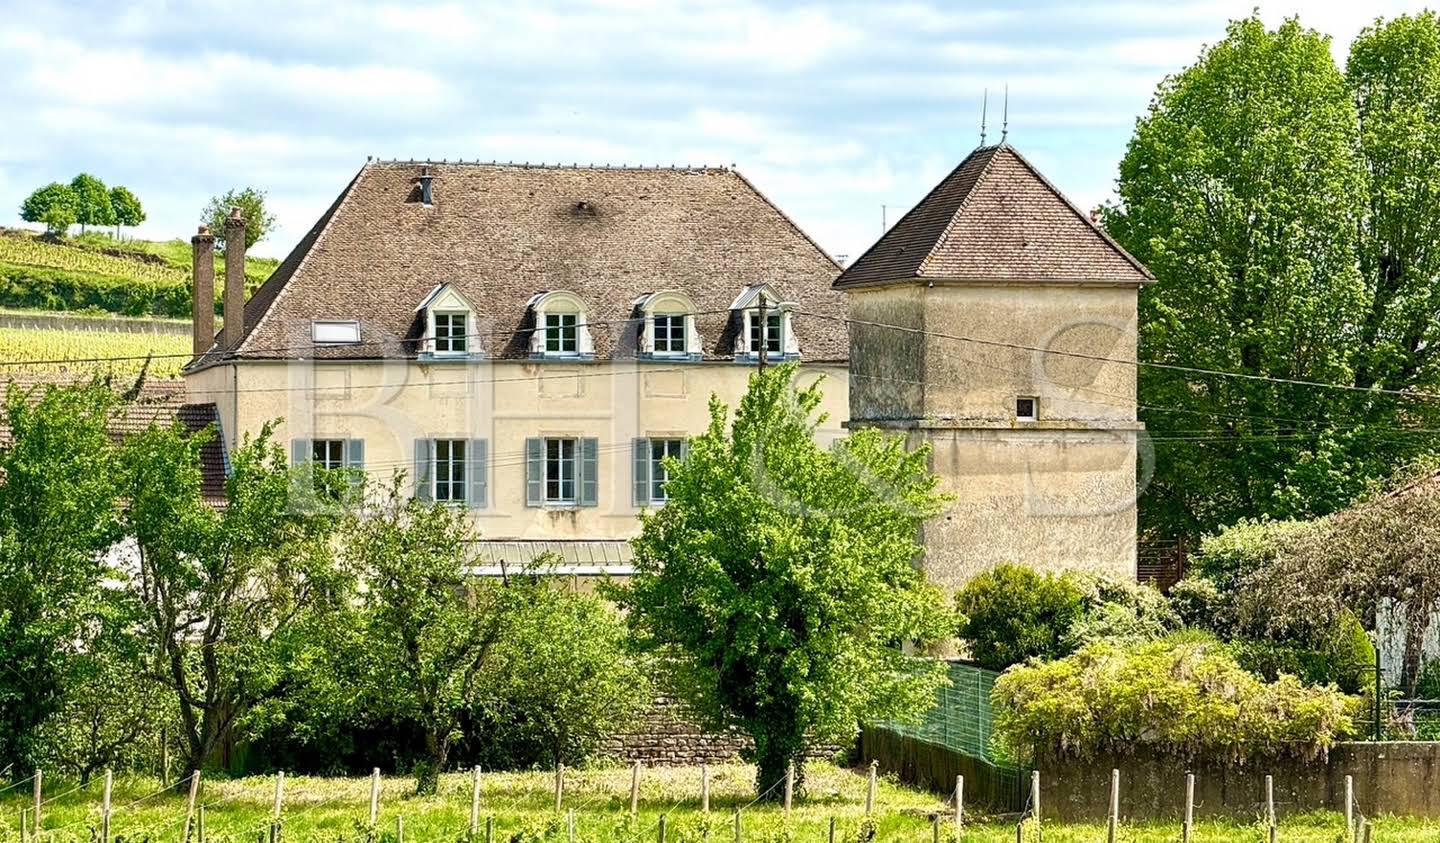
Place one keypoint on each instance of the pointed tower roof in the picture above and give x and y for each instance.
(995, 219)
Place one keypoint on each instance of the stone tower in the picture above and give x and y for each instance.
(997, 323)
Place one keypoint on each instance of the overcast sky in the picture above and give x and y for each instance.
(834, 110)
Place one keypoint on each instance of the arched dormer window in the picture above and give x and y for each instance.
(668, 330)
(449, 325)
(777, 334)
(561, 328)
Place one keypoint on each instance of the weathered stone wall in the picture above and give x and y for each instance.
(665, 735)
(1390, 778)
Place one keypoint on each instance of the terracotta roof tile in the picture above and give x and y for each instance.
(995, 218)
(502, 233)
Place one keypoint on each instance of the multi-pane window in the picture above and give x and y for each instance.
(560, 471)
(773, 335)
(670, 334)
(450, 334)
(449, 470)
(562, 333)
(659, 450)
(1027, 407)
(328, 453)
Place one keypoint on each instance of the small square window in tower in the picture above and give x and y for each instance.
(1027, 408)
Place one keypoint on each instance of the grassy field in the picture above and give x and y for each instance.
(58, 346)
(521, 808)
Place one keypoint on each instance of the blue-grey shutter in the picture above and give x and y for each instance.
(589, 472)
(355, 462)
(641, 494)
(479, 476)
(424, 460)
(301, 451)
(534, 472)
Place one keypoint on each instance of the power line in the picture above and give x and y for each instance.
(1100, 358)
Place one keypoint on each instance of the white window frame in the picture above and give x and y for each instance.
(668, 336)
(451, 339)
(660, 448)
(562, 456)
(335, 331)
(451, 459)
(775, 342)
(1034, 414)
(555, 334)
(560, 304)
(328, 453)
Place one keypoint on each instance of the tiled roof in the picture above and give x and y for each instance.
(158, 402)
(995, 218)
(502, 233)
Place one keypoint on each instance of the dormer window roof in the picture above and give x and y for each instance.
(776, 333)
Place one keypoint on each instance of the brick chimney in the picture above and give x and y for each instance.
(234, 328)
(202, 312)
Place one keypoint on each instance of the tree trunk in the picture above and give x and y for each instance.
(774, 753)
(427, 772)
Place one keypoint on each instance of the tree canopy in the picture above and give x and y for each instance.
(55, 206)
(259, 222)
(128, 210)
(1289, 235)
(93, 201)
(778, 584)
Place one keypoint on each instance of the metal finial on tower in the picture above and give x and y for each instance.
(984, 104)
(1005, 115)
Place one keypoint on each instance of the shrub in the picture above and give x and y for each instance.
(1121, 611)
(1248, 545)
(1183, 695)
(1199, 604)
(1013, 613)
(44, 288)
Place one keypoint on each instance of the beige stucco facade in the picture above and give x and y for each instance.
(389, 404)
(945, 365)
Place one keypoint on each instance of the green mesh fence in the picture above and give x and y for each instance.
(963, 722)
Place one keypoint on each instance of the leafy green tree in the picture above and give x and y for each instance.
(568, 678)
(93, 201)
(128, 210)
(428, 632)
(778, 584)
(1013, 613)
(55, 205)
(236, 601)
(58, 515)
(259, 222)
(1244, 191)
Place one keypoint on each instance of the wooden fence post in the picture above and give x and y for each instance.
(1035, 796)
(737, 826)
(105, 805)
(24, 825)
(1189, 827)
(870, 789)
(832, 830)
(789, 786)
(475, 803)
(705, 788)
(570, 825)
(959, 805)
(399, 828)
(1270, 804)
(200, 823)
(559, 786)
(935, 828)
(1113, 826)
(39, 779)
(489, 830)
(190, 805)
(276, 832)
(374, 797)
(1349, 807)
(634, 790)
(662, 828)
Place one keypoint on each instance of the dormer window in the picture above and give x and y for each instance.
(451, 333)
(335, 332)
(560, 327)
(777, 333)
(667, 326)
(449, 325)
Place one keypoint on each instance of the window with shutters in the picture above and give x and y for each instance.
(560, 471)
(449, 471)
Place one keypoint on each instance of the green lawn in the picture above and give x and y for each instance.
(521, 809)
